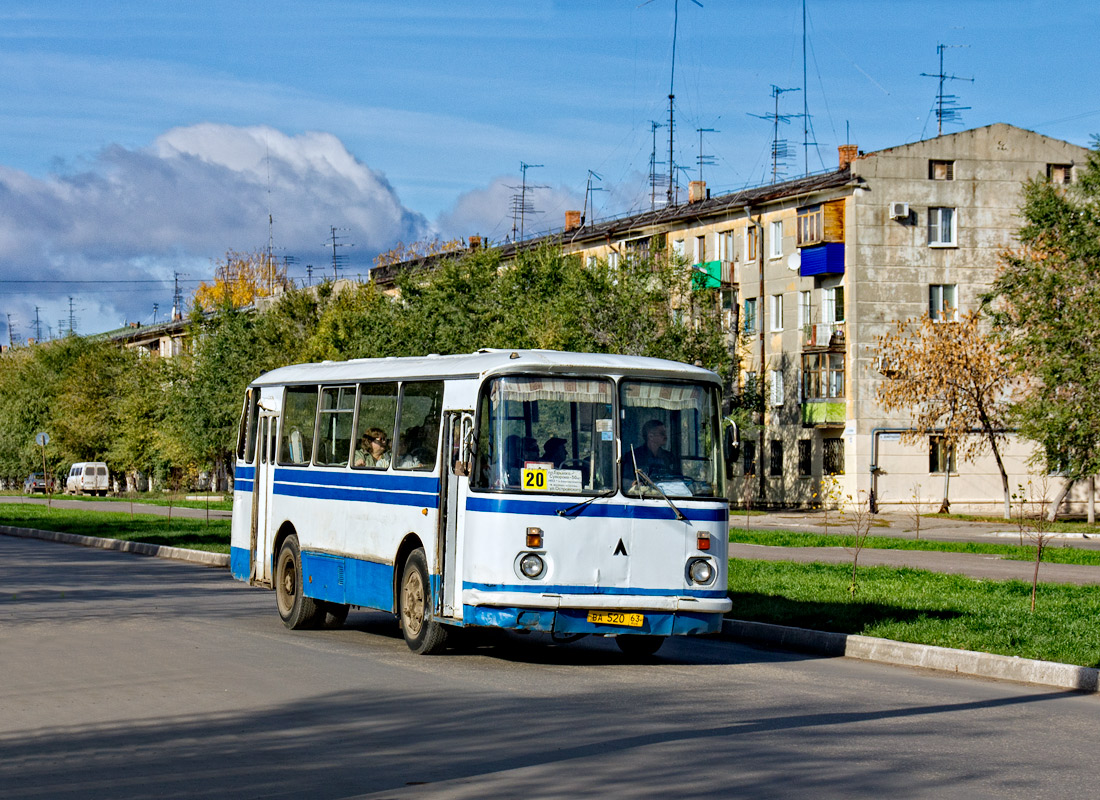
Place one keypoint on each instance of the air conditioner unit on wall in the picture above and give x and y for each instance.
(899, 211)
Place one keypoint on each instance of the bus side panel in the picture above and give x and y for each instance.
(339, 579)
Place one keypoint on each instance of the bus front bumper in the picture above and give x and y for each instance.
(568, 614)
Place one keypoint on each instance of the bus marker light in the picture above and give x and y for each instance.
(703, 541)
(534, 537)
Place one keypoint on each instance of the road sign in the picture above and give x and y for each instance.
(42, 439)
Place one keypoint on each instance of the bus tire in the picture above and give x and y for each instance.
(295, 609)
(639, 646)
(335, 614)
(423, 634)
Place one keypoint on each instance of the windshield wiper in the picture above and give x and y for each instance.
(639, 474)
(576, 508)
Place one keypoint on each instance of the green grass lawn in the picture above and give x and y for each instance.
(194, 534)
(1057, 553)
(910, 605)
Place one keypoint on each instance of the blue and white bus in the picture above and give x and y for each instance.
(532, 490)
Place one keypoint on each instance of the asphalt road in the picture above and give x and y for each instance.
(129, 677)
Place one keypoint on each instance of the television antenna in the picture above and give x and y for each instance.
(781, 150)
(338, 259)
(521, 206)
(946, 108)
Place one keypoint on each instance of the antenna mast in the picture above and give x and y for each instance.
(338, 259)
(780, 149)
(705, 160)
(520, 205)
(946, 109)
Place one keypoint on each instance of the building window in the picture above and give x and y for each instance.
(833, 456)
(750, 315)
(810, 225)
(941, 227)
(803, 309)
(832, 305)
(700, 253)
(941, 170)
(941, 456)
(775, 389)
(776, 311)
(775, 463)
(678, 248)
(751, 236)
(822, 376)
(723, 243)
(748, 457)
(942, 303)
(613, 259)
(805, 457)
(776, 233)
(1060, 173)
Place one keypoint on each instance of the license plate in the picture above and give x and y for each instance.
(616, 618)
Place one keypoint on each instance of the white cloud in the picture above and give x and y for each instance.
(142, 214)
(488, 211)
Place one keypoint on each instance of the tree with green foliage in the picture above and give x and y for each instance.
(1046, 309)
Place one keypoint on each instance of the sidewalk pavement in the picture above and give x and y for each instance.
(120, 506)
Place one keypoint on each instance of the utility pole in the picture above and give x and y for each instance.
(338, 259)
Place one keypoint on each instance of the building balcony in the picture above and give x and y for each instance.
(822, 259)
(823, 335)
(824, 413)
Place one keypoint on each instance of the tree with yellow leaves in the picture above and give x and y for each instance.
(957, 381)
(240, 279)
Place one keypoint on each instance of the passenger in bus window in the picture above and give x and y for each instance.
(373, 450)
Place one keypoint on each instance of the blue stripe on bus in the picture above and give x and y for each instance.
(400, 482)
(242, 485)
(244, 472)
(357, 495)
(569, 620)
(652, 510)
(548, 588)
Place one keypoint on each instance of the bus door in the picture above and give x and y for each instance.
(259, 533)
(458, 435)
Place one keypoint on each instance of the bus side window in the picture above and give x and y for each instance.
(418, 428)
(334, 428)
(374, 429)
(299, 416)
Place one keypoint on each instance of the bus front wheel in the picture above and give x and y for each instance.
(423, 634)
(296, 610)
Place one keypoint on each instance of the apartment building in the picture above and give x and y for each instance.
(816, 270)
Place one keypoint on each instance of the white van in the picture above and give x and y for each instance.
(88, 477)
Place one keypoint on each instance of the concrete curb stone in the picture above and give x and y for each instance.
(906, 654)
(141, 548)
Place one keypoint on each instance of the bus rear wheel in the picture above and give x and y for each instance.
(639, 646)
(295, 609)
(423, 634)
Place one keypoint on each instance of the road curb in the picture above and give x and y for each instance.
(906, 654)
(140, 548)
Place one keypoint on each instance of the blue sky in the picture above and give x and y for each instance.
(139, 140)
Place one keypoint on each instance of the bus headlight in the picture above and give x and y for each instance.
(700, 570)
(531, 565)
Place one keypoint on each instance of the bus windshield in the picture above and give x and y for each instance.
(671, 439)
(558, 435)
(546, 434)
